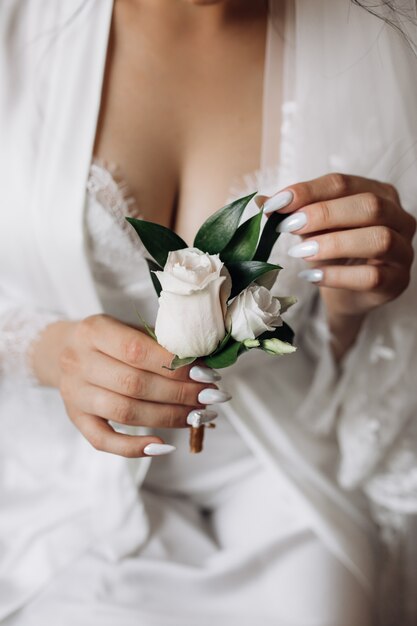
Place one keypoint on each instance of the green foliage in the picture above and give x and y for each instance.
(245, 250)
(157, 239)
(154, 267)
(269, 237)
(216, 232)
(246, 272)
(242, 246)
(176, 362)
(284, 333)
(223, 342)
(146, 326)
(225, 357)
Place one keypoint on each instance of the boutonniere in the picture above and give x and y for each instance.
(215, 302)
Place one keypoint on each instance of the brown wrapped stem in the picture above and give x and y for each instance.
(196, 438)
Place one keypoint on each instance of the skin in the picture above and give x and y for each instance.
(191, 128)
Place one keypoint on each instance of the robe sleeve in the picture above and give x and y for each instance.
(370, 397)
(20, 328)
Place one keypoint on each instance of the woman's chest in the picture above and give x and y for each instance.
(182, 116)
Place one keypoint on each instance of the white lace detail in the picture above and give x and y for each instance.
(19, 332)
(116, 254)
(107, 185)
(113, 246)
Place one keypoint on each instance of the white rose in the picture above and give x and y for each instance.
(253, 312)
(192, 304)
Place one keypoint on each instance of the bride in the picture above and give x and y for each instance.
(301, 510)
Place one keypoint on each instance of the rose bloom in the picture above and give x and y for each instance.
(192, 305)
(253, 312)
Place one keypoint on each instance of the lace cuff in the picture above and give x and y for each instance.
(19, 331)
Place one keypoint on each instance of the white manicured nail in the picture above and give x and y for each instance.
(312, 276)
(158, 449)
(203, 374)
(293, 222)
(279, 201)
(212, 396)
(196, 417)
(306, 248)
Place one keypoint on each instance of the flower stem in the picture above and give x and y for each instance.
(196, 439)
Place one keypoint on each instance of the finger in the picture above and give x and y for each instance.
(103, 371)
(102, 437)
(328, 187)
(131, 346)
(123, 410)
(361, 278)
(376, 242)
(366, 209)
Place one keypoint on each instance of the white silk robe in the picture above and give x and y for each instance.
(349, 105)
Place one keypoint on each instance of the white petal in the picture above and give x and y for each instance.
(191, 325)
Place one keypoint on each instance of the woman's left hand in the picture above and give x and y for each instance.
(356, 238)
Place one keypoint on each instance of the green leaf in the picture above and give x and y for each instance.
(157, 239)
(284, 333)
(176, 362)
(268, 237)
(246, 272)
(226, 357)
(154, 267)
(243, 244)
(216, 232)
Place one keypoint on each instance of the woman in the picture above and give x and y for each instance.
(276, 522)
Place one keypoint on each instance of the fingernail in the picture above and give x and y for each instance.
(312, 276)
(279, 201)
(203, 374)
(211, 396)
(158, 449)
(196, 417)
(306, 248)
(293, 222)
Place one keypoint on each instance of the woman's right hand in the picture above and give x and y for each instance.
(110, 371)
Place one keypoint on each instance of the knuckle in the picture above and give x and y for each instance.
(123, 413)
(323, 213)
(391, 191)
(412, 224)
(128, 451)
(134, 351)
(180, 393)
(374, 207)
(97, 440)
(334, 245)
(133, 384)
(338, 183)
(175, 417)
(88, 325)
(384, 239)
(374, 278)
(170, 417)
(68, 360)
(84, 330)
